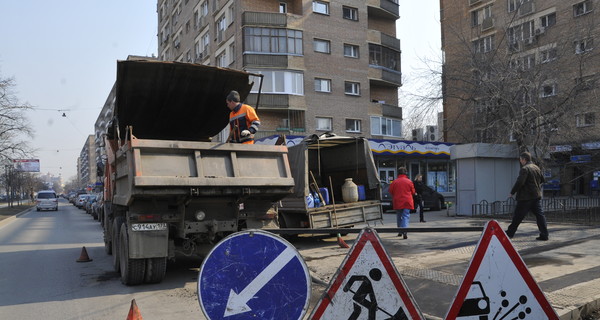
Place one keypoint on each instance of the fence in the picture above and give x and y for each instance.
(580, 210)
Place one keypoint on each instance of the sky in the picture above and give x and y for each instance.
(62, 56)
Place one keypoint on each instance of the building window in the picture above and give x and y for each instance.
(478, 16)
(323, 124)
(231, 53)
(220, 26)
(222, 60)
(585, 83)
(548, 20)
(381, 126)
(582, 46)
(279, 82)
(586, 119)
(582, 8)
(548, 55)
(384, 57)
(282, 7)
(513, 5)
(350, 13)
(204, 9)
(352, 125)
(350, 51)
(483, 45)
(271, 40)
(322, 85)
(321, 7)
(352, 88)
(548, 90)
(323, 46)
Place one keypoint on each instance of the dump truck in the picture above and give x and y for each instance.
(321, 164)
(168, 189)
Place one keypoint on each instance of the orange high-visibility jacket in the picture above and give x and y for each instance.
(243, 117)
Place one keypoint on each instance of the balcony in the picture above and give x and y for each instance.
(266, 60)
(383, 39)
(384, 77)
(487, 24)
(384, 9)
(264, 19)
(269, 101)
(527, 7)
(472, 2)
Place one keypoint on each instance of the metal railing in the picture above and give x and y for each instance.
(583, 210)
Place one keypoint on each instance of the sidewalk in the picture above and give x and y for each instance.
(567, 267)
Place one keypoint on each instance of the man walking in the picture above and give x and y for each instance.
(528, 188)
(402, 191)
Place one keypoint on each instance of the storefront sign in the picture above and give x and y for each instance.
(421, 148)
(583, 158)
(591, 145)
(564, 148)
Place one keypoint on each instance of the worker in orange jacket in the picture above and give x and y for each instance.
(243, 120)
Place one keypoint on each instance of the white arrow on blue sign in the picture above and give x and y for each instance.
(254, 275)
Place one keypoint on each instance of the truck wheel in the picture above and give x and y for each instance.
(116, 229)
(155, 270)
(132, 270)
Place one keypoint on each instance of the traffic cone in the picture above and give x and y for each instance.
(341, 242)
(134, 312)
(83, 257)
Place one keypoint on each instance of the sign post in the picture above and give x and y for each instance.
(253, 275)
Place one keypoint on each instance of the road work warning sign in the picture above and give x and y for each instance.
(498, 285)
(367, 286)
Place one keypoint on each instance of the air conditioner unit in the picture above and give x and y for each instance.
(528, 41)
(431, 133)
(539, 31)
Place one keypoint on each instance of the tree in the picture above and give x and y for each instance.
(14, 126)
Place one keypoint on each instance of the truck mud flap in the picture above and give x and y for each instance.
(148, 243)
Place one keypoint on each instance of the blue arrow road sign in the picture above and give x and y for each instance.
(253, 275)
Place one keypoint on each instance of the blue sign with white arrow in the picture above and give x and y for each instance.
(254, 275)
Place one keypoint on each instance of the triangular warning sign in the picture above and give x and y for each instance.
(367, 286)
(498, 285)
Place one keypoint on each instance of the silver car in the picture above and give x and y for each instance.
(46, 200)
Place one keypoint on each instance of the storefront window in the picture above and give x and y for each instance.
(437, 176)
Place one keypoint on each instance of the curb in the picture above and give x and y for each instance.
(11, 219)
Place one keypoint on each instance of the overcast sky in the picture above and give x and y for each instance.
(62, 56)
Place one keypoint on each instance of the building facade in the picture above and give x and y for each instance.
(326, 66)
(526, 72)
(86, 164)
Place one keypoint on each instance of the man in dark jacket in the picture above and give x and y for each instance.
(528, 188)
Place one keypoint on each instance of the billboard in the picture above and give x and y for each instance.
(27, 165)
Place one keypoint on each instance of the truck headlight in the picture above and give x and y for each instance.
(200, 215)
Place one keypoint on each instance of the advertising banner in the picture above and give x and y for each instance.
(27, 165)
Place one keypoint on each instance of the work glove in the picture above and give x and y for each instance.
(245, 133)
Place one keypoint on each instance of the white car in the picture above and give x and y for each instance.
(46, 200)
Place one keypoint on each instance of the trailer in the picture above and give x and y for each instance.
(320, 166)
(168, 189)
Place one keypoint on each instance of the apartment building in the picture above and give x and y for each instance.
(86, 164)
(325, 65)
(526, 72)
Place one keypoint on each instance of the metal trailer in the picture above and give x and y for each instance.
(168, 189)
(326, 161)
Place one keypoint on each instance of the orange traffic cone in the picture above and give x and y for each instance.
(83, 257)
(341, 242)
(134, 312)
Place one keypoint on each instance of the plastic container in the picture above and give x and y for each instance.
(362, 195)
(349, 191)
(310, 201)
(316, 200)
(325, 194)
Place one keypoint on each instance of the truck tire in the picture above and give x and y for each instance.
(156, 269)
(116, 229)
(132, 270)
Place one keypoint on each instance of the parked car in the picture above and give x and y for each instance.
(432, 199)
(97, 207)
(80, 202)
(46, 200)
(88, 203)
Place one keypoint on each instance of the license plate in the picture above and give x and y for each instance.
(148, 226)
(385, 203)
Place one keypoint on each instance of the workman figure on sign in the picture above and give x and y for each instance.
(243, 120)
(364, 295)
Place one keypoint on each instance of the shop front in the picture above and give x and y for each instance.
(573, 170)
(430, 159)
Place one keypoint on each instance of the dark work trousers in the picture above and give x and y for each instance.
(524, 206)
(421, 217)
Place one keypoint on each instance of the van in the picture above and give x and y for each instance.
(46, 200)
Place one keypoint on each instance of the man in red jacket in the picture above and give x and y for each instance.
(402, 191)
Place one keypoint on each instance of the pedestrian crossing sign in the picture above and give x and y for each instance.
(367, 286)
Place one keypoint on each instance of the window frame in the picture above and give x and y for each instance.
(316, 6)
(293, 81)
(356, 125)
(354, 48)
(353, 13)
(322, 81)
(329, 121)
(282, 7)
(588, 44)
(545, 20)
(548, 55)
(354, 86)
(387, 125)
(585, 8)
(325, 42)
(263, 40)
(582, 119)
(546, 94)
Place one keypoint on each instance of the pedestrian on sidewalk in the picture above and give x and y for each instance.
(402, 191)
(419, 188)
(528, 189)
